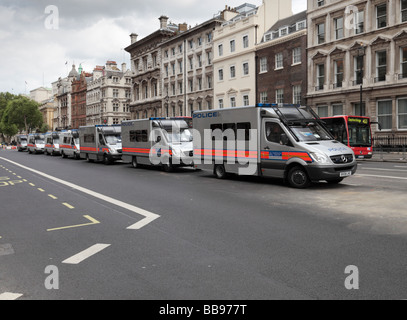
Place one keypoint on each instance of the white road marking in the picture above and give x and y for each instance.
(148, 216)
(376, 176)
(382, 169)
(81, 256)
(10, 296)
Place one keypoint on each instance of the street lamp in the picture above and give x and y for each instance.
(361, 54)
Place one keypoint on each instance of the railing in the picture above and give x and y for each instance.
(390, 143)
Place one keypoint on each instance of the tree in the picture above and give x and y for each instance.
(23, 113)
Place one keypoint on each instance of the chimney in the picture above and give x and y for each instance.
(133, 37)
(182, 27)
(163, 22)
(124, 67)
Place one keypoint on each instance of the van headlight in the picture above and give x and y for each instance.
(320, 158)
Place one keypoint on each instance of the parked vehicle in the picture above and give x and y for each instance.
(70, 144)
(165, 142)
(22, 143)
(52, 143)
(36, 143)
(353, 131)
(101, 143)
(280, 141)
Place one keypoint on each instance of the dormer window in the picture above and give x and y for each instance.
(283, 31)
(301, 25)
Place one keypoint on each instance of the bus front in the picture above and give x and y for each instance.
(360, 136)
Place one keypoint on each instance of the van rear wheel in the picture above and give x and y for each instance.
(298, 178)
(134, 163)
(220, 171)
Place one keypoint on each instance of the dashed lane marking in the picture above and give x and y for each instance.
(81, 256)
(148, 216)
(10, 296)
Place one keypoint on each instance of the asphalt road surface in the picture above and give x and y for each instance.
(77, 230)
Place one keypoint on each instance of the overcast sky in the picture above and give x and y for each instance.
(33, 53)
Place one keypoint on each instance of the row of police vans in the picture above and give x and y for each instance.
(281, 141)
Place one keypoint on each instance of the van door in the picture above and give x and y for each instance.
(273, 148)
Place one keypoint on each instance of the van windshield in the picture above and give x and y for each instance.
(310, 132)
(113, 140)
(183, 135)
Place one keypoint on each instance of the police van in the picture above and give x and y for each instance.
(69, 144)
(21, 143)
(101, 143)
(165, 142)
(36, 143)
(280, 141)
(52, 143)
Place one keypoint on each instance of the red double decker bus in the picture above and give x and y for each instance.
(354, 132)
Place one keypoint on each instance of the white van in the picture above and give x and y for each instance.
(36, 143)
(280, 141)
(70, 144)
(52, 143)
(101, 143)
(165, 142)
(22, 143)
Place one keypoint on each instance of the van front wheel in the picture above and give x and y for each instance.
(298, 178)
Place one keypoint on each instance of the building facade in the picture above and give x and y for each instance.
(79, 90)
(187, 69)
(235, 50)
(146, 54)
(357, 60)
(108, 95)
(282, 62)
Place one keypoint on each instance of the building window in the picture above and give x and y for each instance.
(320, 76)
(385, 114)
(381, 66)
(245, 68)
(220, 103)
(199, 60)
(232, 71)
(338, 73)
(359, 22)
(180, 66)
(322, 111)
(321, 33)
(381, 16)
(280, 96)
(232, 46)
(403, 63)
(263, 97)
(359, 68)
(279, 61)
(220, 74)
(115, 93)
(403, 10)
(245, 100)
(233, 102)
(337, 109)
(402, 114)
(263, 64)
(359, 110)
(338, 22)
(199, 83)
(296, 55)
(209, 57)
(297, 94)
(220, 50)
(191, 63)
(245, 41)
(209, 81)
(320, 3)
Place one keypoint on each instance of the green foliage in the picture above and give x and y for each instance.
(19, 112)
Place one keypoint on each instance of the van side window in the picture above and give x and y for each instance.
(273, 132)
(89, 138)
(138, 136)
(243, 135)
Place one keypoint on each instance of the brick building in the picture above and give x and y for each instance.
(78, 99)
(281, 62)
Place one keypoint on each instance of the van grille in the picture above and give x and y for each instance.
(341, 159)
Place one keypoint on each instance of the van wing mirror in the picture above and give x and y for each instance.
(158, 139)
(284, 139)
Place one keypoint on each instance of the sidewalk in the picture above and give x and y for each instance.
(398, 157)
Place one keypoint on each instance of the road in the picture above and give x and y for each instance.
(76, 230)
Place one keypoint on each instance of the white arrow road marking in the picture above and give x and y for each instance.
(81, 256)
(148, 216)
(10, 296)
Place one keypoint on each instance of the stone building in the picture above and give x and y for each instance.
(108, 95)
(235, 43)
(146, 54)
(357, 60)
(282, 62)
(187, 69)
